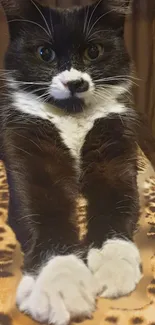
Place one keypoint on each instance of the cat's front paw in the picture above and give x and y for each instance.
(64, 290)
(116, 267)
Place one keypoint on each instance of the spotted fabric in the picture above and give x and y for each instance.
(137, 308)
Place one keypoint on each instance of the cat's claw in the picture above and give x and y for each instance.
(116, 267)
(65, 289)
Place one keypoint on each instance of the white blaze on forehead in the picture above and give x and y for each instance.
(58, 88)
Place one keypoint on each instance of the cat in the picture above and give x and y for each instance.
(68, 129)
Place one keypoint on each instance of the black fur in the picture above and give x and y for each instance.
(44, 185)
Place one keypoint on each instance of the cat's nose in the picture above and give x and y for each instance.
(78, 86)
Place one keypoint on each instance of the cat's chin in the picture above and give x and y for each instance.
(70, 105)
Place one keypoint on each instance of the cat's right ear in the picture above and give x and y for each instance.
(15, 8)
(22, 8)
(19, 10)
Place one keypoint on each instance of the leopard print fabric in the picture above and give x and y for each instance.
(138, 308)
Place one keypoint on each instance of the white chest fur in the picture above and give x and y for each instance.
(73, 128)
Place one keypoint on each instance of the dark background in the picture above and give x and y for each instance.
(140, 40)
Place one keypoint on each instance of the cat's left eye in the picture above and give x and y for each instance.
(93, 52)
(46, 53)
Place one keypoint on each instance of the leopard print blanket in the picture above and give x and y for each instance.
(137, 308)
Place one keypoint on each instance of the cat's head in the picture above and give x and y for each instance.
(72, 57)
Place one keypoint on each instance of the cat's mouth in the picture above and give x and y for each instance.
(72, 104)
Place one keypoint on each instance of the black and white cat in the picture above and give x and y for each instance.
(68, 130)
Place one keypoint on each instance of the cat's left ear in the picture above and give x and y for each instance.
(120, 7)
(18, 8)
(113, 12)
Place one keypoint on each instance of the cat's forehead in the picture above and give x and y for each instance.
(66, 19)
(74, 24)
(69, 20)
(67, 29)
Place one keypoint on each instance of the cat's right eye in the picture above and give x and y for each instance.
(46, 53)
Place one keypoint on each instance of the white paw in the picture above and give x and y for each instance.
(116, 268)
(65, 289)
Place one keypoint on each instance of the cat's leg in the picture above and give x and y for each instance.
(110, 186)
(57, 285)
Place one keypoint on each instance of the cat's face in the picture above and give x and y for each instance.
(71, 58)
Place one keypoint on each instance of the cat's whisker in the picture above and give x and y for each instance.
(126, 90)
(3, 72)
(104, 94)
(34, 92)
(135, 78)
(98, 19)
(51, 22)
(102, 97)
(103, 15)
(43, 17)
(45, 41)
(130, 82)
(31, 22)
(98, 89)
(24, 82)
(4, 86)
(39, 89)
(117, 76)
(35, 83)
(113, 79)
(86, 20)
(28, 82)
(91, 16)
(90, 38)
(42, 96)
(102, 90)
(116, 79)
